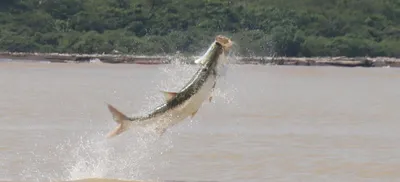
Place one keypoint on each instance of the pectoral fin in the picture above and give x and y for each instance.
(169, 95)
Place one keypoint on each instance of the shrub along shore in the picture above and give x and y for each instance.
(132, 59)
(293, 28)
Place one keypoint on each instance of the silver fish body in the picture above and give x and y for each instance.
(184, 103)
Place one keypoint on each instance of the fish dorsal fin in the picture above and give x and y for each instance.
(169, 95)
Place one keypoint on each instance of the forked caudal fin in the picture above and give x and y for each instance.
(121, 119)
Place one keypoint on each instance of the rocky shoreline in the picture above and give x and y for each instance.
(132, 59)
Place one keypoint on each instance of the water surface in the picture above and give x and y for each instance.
(265, 123)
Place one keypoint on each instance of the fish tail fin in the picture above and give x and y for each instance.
(122, 120)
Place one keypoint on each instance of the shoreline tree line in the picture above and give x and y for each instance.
(259, 27)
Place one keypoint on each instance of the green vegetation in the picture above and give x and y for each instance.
(260, 27)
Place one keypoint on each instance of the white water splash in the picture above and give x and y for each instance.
(129, 157)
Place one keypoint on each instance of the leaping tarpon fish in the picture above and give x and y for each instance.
(185, 103)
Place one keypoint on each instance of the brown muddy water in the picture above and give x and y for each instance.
(265, 123)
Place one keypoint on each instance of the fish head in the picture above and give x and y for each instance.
(226, 45)
(225, 42)
(216, 53)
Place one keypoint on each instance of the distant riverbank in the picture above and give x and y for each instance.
(132, 59)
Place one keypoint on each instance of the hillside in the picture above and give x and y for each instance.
(260, 27)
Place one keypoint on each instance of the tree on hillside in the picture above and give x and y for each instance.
(259, 27)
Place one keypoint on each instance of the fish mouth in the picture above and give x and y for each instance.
(225, 42)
